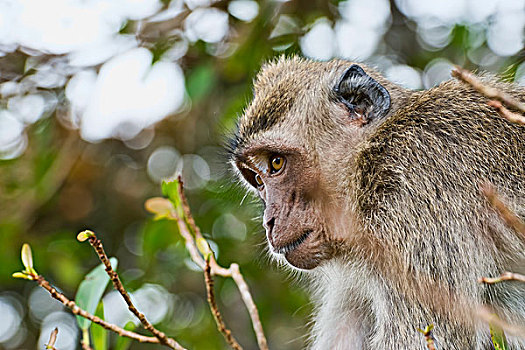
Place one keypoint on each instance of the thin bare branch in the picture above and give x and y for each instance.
(215, 269)
(84, 342)
(250, 305)
(221, 326)
(504, 112)
(52, 339)
(85, 346)
(188, 239)
(487, 91)
(161, 336)
(510, 218)
(42, 282)
(505, 276)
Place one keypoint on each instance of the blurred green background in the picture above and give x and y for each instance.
(101, 100)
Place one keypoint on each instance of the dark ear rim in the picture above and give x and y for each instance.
(361, 83)
(354, 69)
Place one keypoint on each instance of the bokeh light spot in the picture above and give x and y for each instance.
(245, 10)
(162, 163)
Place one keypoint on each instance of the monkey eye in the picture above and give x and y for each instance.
(276, 164)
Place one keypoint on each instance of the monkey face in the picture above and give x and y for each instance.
(289, 189)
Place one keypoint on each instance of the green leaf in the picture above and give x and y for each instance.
(98, 333)
(27, 257)
(27, 260)
(22, 275)
(171, 190)
(123, 343)
(90, 291)
(498, 337)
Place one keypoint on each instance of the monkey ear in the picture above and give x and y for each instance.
(365, 98)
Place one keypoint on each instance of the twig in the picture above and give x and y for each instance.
(510, 218)
(487, 91)
(216, 269)
(52, 339)
(221, 326)
(250, 305)
(85, 346)
(84, 343)
(487, 315)
(427, 332)
(161, 336)
(505, 276)
(504, 112)
(188, 239)
(233, 272)
(95, 319)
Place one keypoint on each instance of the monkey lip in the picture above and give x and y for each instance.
(293, 245)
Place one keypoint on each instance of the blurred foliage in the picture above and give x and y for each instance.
(61, 184)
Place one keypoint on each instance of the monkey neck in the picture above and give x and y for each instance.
(343, 294)
(352, 298)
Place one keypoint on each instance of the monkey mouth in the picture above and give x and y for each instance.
(293, 245)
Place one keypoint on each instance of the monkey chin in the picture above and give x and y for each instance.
(302, 261)
(306, 254)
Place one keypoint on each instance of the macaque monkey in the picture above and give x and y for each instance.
(373, 191)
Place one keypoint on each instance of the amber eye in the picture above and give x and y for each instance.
(276, 164)
(258, 180)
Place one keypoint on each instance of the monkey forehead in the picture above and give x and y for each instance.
(274, 140)
(283, 87)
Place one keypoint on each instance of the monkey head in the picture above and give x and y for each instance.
(294, 148)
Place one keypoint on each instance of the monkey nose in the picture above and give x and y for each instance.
(269, 228)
